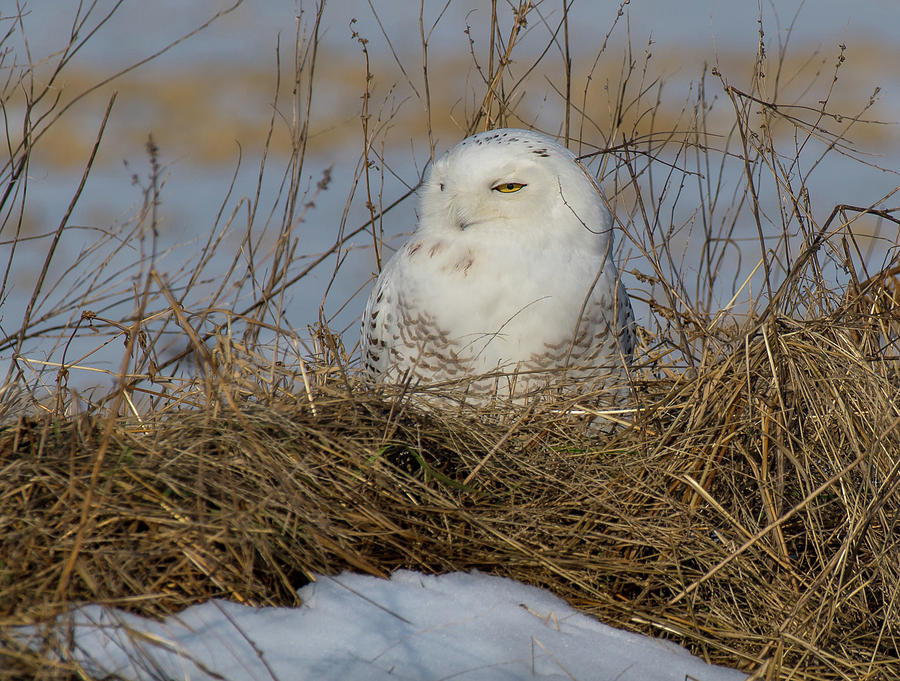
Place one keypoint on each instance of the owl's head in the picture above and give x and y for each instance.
(514, 185)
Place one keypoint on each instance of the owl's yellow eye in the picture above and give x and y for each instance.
(508, 187)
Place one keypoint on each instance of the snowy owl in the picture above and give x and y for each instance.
(508, 284)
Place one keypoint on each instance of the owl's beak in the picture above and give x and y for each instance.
(459, 219)
(462, 213)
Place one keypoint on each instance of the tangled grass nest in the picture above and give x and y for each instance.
(749, 512)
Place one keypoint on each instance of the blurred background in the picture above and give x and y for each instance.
(213, 100)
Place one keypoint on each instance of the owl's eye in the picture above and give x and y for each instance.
(508, 187)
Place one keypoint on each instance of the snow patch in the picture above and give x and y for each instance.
(415, 627)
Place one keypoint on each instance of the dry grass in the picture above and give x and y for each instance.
(234, 101)
(750, 512)
(745, 507)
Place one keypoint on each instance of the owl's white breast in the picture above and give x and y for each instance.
(501, 308)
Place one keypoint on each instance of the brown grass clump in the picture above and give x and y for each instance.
(749, 513)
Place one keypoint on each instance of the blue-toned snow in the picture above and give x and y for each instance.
(460, 626)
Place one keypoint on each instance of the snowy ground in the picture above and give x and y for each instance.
(460, 626)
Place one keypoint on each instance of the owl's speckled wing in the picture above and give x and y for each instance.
(401, 338)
